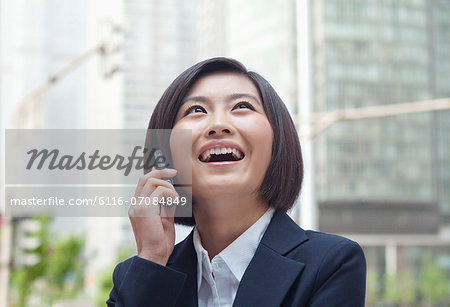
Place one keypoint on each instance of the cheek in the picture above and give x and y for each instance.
(181, 148)
(195, 127)
(261, 134)
(262, 140)
(265, 134)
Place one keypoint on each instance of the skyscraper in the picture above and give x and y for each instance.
(379, 180)
(257, 33)
(370, 53)
(159, 43)
(439, 32)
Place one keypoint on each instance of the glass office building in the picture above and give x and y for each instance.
(364, 53)
(159, 43)
(440, 27)
(382, 181)
(370, 53)
(261, 34)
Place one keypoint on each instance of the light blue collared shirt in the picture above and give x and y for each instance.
(218, 280)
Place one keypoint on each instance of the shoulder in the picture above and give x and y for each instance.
(332, 260)
(326, 243)
(322, 250)
(334, 271)
(335, 251)
(121, 268)
(286, 237)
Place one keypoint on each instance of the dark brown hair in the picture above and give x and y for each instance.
(284, 175)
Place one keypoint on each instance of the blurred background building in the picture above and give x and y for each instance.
(159, 42)
(383, 182)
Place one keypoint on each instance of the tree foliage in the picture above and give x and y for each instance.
(57, 274)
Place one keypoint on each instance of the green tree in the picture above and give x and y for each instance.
(105, 282)
(400, 289)
(23, 278)
(372, 288)
(434, 284)
(58, 270)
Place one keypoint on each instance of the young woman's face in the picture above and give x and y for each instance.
(231, 135)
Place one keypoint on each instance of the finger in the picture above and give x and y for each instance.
(150, 186)
(147, 205)
(161, 173)
(152, 181)
(144, 204)
(166, 197)
(169, 178)
(168, 211)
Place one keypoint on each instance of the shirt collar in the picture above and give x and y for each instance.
(202, 256)
(240, 252)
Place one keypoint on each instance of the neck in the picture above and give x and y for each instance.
(219, 223)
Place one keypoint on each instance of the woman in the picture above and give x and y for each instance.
(246, 173)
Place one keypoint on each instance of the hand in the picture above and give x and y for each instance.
(153, 225)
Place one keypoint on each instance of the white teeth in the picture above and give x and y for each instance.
(206, 155)
(237, 154)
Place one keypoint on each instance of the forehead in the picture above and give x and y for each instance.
(223, 83)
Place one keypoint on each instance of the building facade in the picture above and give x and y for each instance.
(159, 43)
(383, 181)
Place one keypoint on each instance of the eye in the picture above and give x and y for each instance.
(243, 105)
(194, 109)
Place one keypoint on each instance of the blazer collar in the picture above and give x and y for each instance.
(283, 234)
(269, 274)
(184, 259)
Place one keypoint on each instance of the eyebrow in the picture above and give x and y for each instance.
(195, 98)
(243, 95)
(229, 97)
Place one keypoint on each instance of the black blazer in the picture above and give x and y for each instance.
(291, 267)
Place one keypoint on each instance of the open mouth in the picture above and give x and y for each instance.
(221, 154)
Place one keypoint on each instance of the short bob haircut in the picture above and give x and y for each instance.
(283, 179)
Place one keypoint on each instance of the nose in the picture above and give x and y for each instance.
(219, 125)
(219, 131)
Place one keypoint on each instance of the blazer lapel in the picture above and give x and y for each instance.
(184, 259)
(270, 274)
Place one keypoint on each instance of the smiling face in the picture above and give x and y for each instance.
(231, 136)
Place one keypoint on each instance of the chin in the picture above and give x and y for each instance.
(223, 189)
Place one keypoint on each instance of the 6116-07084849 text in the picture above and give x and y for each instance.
(98, 201)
